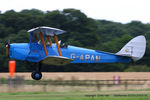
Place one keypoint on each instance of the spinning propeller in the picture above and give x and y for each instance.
(12, 63)
(7, 48)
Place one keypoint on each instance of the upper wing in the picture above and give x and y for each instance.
(46, 31)
(56, 60)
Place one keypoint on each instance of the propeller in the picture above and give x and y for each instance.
(7, 48)
(12, 63)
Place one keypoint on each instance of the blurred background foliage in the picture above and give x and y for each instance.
(81, 31)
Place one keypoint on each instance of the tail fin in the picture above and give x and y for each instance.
(135, 48)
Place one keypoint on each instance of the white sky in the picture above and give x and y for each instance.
(114, 10)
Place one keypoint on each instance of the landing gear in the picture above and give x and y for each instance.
(37, 75)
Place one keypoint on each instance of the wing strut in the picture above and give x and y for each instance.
(50, 42)
(35, 36)
(56, 40)
(44, 45)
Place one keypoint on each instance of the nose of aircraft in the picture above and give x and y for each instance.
(19, 51)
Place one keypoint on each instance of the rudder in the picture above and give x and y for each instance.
(135, 48)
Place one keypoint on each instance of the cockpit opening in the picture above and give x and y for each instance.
(63, 45)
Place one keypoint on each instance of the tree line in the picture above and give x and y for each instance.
(81, 30)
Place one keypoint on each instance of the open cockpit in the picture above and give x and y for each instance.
(43, 35)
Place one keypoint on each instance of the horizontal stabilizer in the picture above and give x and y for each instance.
(135, 48)
(56, 60)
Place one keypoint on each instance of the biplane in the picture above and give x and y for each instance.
(40, 49)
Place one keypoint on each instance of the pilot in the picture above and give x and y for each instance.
(39, 42)
(63, 45)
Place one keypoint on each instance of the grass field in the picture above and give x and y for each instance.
(72, 96)
(77, 94)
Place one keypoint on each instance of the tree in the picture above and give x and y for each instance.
(138, 68)
(81, 31)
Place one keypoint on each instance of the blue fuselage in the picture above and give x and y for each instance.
(34, 52)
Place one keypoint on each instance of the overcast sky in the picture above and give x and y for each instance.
(122, 11)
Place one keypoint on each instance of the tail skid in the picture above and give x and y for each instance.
(135, 48)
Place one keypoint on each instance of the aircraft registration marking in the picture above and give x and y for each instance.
(90, 57)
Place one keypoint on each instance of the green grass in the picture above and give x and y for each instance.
(139, 89)
(70, 96)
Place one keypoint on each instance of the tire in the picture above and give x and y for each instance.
(36, 75)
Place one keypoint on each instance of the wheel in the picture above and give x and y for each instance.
(36, 75)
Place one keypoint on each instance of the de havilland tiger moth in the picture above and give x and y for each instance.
(40, 49)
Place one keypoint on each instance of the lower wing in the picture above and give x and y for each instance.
(56, 60)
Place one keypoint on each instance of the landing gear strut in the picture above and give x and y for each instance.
(37, 75)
